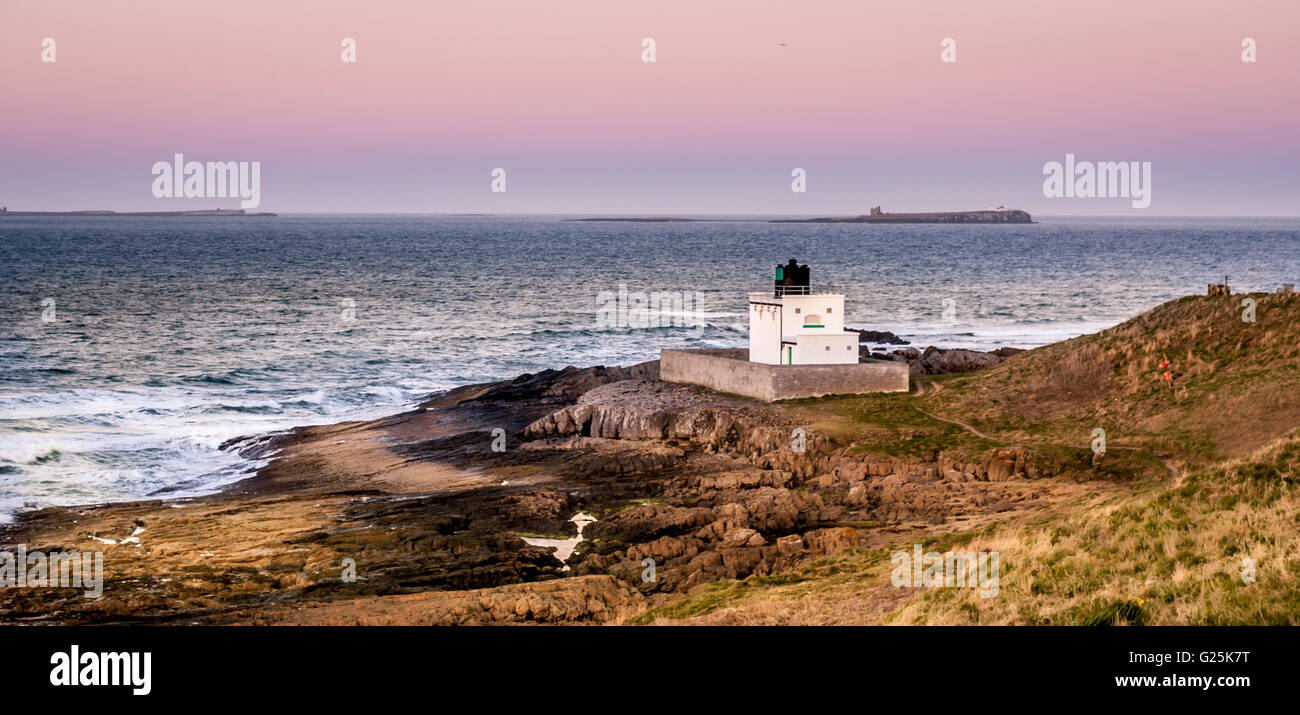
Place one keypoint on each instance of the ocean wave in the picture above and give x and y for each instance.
(389, 394)
(77, 470)
(28, 450)
(49, 457)
(227, 379)
(85, 402)
(692, 323)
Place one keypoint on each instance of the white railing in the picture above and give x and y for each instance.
(778, 291)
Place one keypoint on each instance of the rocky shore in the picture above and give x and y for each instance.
(940, 361)
(932, 360)
(673, 504)
(427, 516)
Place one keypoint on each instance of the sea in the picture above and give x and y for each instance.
(132, 348)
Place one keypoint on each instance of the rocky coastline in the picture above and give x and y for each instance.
(434, 509)
(699, 507)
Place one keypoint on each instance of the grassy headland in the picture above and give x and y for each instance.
(1197, 486)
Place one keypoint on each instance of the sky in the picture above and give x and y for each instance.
(741, 93)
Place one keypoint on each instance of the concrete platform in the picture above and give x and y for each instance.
(731, 371)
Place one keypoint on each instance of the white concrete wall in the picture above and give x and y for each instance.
(728, 371)
(765, 333)
(793, 317)
(827, 344)
(826, 348)
(828, 309)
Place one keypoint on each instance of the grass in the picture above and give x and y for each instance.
(1234, 383)
(1148, 548)
(1172, 552)
(892, 425)
(539, 535)
(812, 582)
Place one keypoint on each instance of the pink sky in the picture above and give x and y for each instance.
(556, 93)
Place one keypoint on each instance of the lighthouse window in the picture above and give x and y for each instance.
(828, 347)
(796, 310)
(828, 310)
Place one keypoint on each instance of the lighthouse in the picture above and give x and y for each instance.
(798, 348)
(797, 324)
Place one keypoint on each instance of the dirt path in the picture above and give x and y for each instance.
(962, 425)
(1165, 458)
(934, 387)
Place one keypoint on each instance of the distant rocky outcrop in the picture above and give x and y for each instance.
(880, 337)
(940, 361)
(137, 214)
(878, 216)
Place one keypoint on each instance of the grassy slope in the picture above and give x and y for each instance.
(1236, 383)
(1151, 550)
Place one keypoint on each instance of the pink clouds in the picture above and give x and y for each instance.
(735, 84)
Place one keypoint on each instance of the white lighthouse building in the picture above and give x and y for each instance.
(795, 324)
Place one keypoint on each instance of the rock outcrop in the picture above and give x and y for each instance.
(883, 337)
(579, 600)
(938, 361)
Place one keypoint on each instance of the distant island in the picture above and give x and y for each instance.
(1000, 214)
(653, 219)
(203, 212)
(997, 215)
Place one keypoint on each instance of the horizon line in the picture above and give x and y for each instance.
(620, 214)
